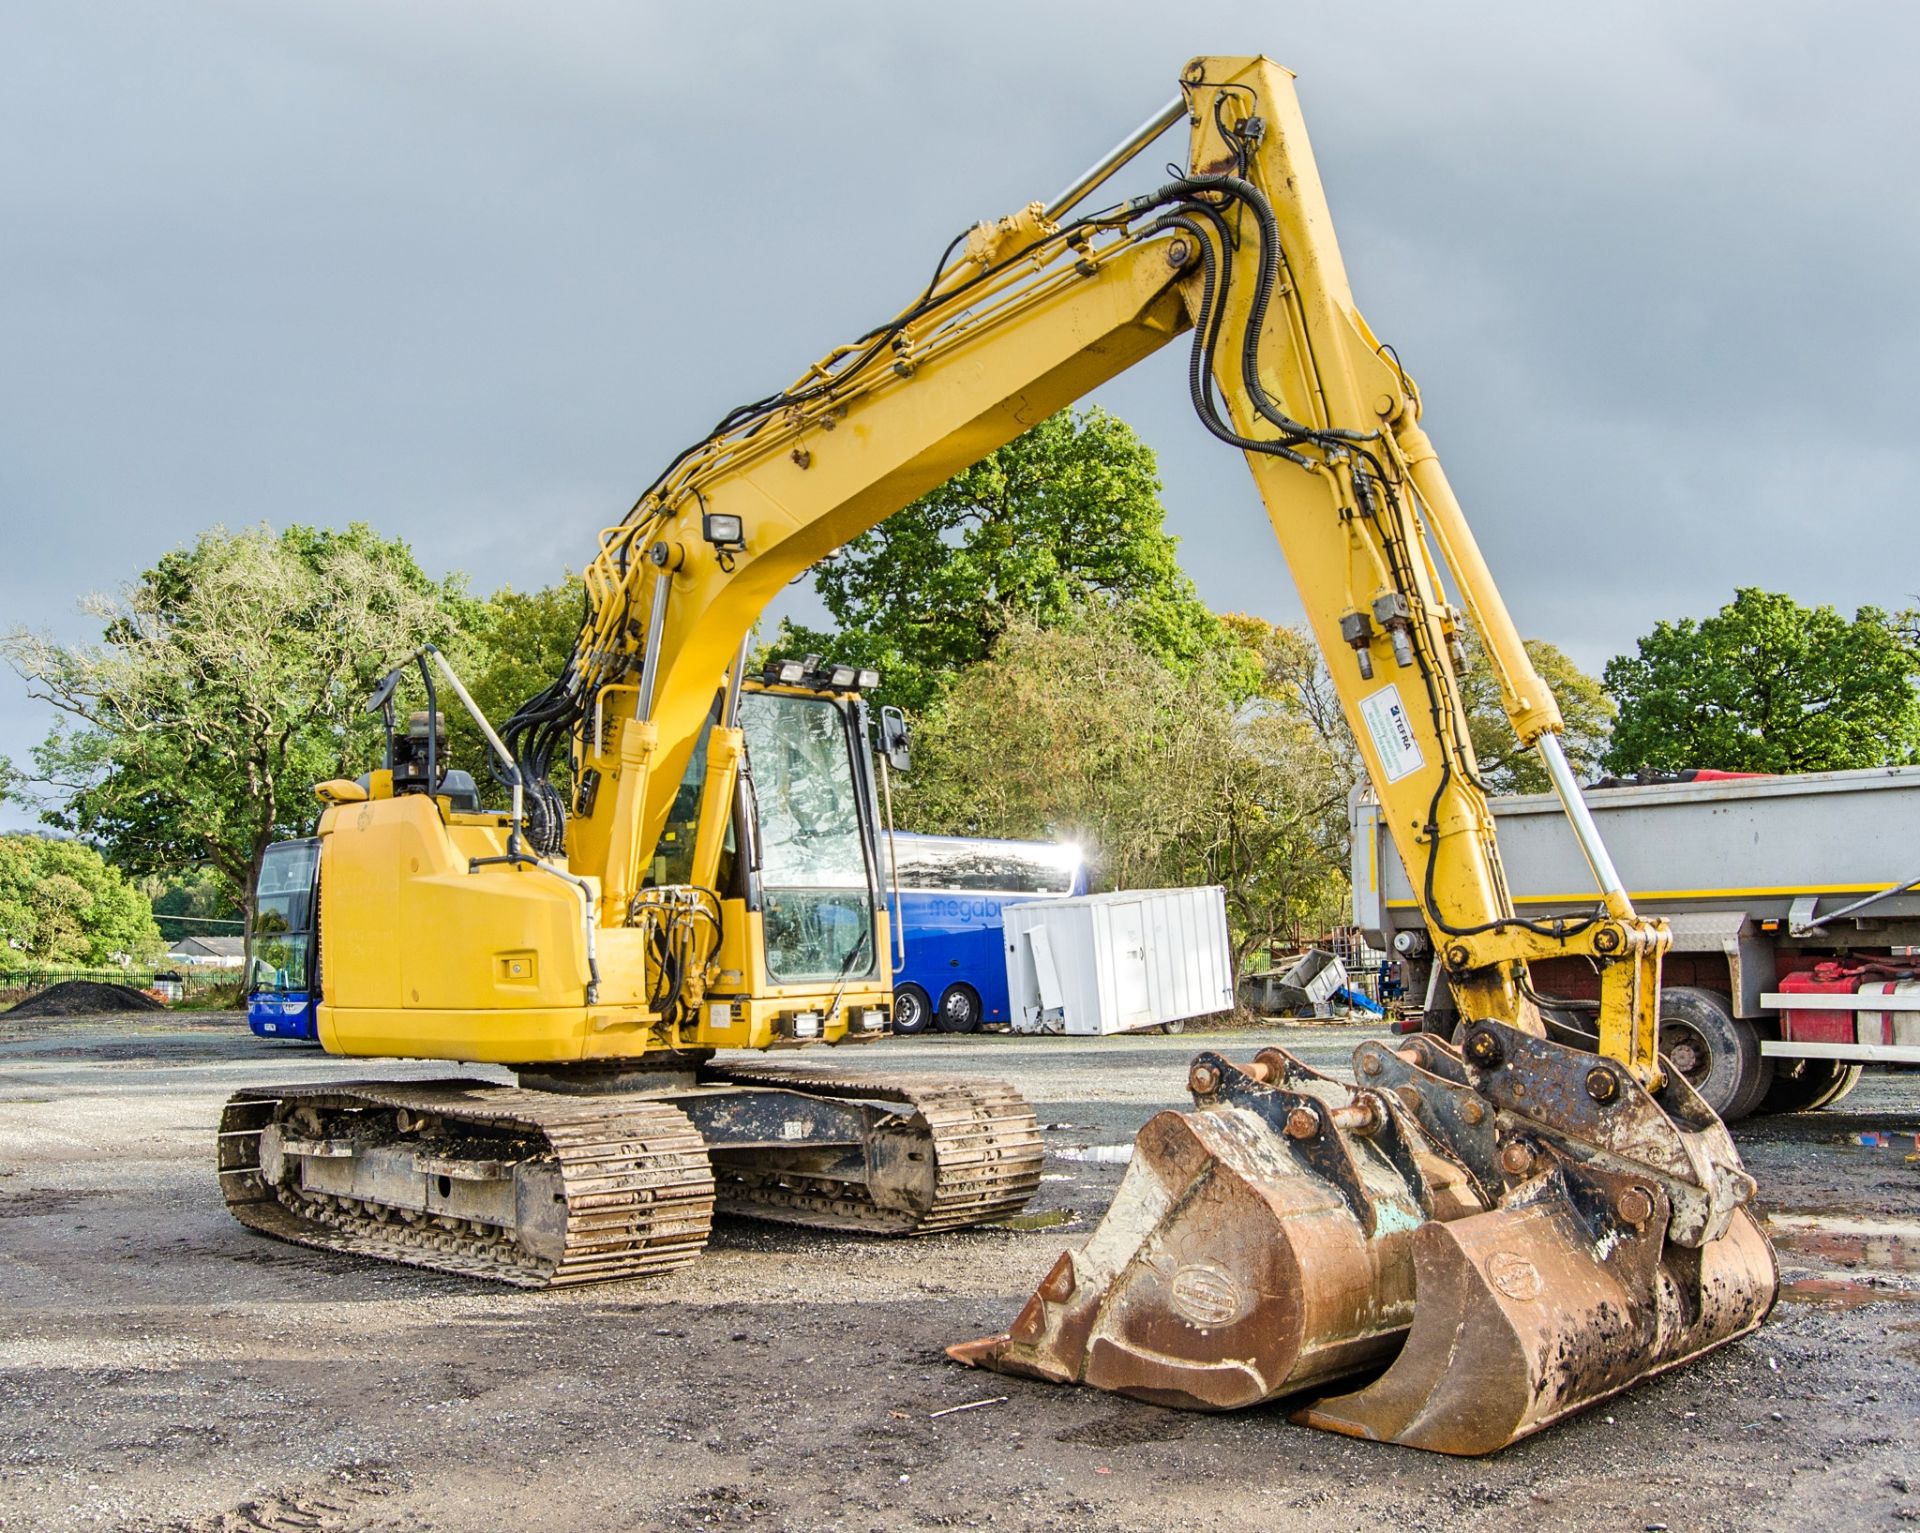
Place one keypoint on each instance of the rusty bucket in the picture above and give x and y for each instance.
(1567, 1293)
(1226, 1271)
(1292, 1232)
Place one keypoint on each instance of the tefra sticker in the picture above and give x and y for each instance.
(1387, 723)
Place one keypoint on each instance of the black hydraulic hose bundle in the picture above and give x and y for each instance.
(673, 920)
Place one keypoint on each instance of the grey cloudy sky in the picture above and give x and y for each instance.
(472, 271)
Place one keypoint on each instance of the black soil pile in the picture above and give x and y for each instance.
(84, 998)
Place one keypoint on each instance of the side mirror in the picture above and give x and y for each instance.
(382, 699)
(895, 738)
(382, 703)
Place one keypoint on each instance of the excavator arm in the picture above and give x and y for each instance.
(1567, 1223)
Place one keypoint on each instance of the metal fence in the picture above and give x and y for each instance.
(19, 984)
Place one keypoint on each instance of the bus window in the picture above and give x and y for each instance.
(1006, 867)
(284, 893)
(280, 993)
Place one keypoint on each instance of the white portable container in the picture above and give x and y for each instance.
(1116, 963)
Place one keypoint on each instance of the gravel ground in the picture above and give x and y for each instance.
(161, 1368)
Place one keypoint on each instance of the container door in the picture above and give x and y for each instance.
(1051, 1015)
(1133, 1000)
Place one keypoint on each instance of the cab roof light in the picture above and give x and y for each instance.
(810, 672)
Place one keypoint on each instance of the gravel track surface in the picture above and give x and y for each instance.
(161, 1368)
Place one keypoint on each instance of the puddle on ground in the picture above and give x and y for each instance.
(1043, 1219)
(1885, 1245)
(1843, 1293)
(1105, 1154)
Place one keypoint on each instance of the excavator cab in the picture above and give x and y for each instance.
(813, 872)
(804, 809)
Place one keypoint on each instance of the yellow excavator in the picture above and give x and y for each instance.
(1496, 1231)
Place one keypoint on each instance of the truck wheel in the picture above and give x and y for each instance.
(1719, 1055)
(959, 1010)
(1807, 1085)
(912, 1011)
(1762, 1081)
(1844, 1081)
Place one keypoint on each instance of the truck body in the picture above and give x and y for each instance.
(1789, 897)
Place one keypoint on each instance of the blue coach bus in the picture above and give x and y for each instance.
(948, 892)
(280, 990)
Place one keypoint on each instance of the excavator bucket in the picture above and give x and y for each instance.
(1547, 1305)
(1290, 1232)
(1256, 1248)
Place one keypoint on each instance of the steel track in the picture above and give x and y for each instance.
(984, 1140)
(640, 1187)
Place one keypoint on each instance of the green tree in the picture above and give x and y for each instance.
(515, 644)
(197, 903)
(1280, 847)
(61, 903)
(1281, 851)
(1070, 732)
(1163, 775)
(229, 679)
(1507, 766)
(1064, 517)
(1290, 675)
(1766, 685)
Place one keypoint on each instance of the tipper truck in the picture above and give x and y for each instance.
(1795, 908)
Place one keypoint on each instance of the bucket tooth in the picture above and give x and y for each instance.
(1548, 1304)
(1225, 1272)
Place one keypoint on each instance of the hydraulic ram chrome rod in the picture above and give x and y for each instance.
(1076, 189)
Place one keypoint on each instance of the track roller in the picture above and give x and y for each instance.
(488, 1181)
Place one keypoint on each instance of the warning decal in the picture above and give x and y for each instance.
(1392, 734)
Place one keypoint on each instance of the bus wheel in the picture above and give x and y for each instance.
(959, 1010)
(912, 1011)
